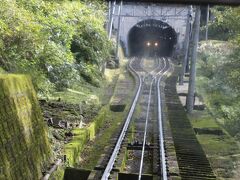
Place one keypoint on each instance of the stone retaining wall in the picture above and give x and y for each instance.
(24, 145)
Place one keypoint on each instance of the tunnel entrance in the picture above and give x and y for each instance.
(150, 38)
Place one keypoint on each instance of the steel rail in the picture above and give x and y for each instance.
(113, 157)
(158, 66)
(147, 118)
(155, 76)
(141, 65)
(145, 131)
(160, 127)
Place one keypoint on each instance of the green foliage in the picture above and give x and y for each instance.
(231, 115)
(54, 41)
(64, 75)
(219, 83)
(1, 70)
(226, 24)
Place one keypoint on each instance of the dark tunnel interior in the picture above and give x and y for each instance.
(151, 38)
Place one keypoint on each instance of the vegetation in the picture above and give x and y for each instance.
(63, 46)
(81, 136)
(222, 150)
(59, 43)
(225, 25)
(113, 120)
(218, 74)
(218, 83)
(218, 68)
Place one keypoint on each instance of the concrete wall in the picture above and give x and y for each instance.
(23, 137)
(174, 15)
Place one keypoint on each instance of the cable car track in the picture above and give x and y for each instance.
(152, 79)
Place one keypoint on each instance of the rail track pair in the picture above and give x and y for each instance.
(151, 81)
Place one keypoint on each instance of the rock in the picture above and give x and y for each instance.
(68, 134)
(50, 122)
(57, 136)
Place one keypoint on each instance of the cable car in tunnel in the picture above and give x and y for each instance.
(151, 38)
(151, 49)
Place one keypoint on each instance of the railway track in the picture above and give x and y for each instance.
(149, 140)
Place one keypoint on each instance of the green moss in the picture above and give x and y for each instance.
(71, 97)
(206, 122)
(103, 140)
(220, 150)
(218, 145)
(22, 129)
(91, 130)
(58, 174)
(110, 124)
(124, 160)
(81, 137)
(73, 149)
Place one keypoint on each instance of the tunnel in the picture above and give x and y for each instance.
(150, 38)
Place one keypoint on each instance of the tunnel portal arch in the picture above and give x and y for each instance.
(151, 37)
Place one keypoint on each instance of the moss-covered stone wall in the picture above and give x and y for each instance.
(24, 143)
(81, 136)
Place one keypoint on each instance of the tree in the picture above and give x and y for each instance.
(46, 38)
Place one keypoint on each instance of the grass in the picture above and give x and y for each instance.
(91, 141)
(2, 71)
(91, 95)
(95, 151)
(75, 97)
(218, 145)
(87, 92)
(205, 122)
(111, 125)
(74, 148)
(222, 151)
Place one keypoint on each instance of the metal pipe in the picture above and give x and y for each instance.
(191, 86)
(54, 168)
(190, 40)
(119, 29)
(111, 21)
(109, 15)
(206, 35)
(184, 62)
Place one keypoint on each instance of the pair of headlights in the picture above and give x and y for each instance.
(150, 44)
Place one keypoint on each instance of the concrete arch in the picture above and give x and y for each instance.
(133, 13)
(151, 37)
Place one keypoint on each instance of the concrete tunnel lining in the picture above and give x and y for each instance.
(151, 37)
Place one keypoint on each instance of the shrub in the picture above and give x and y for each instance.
(37, 35)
